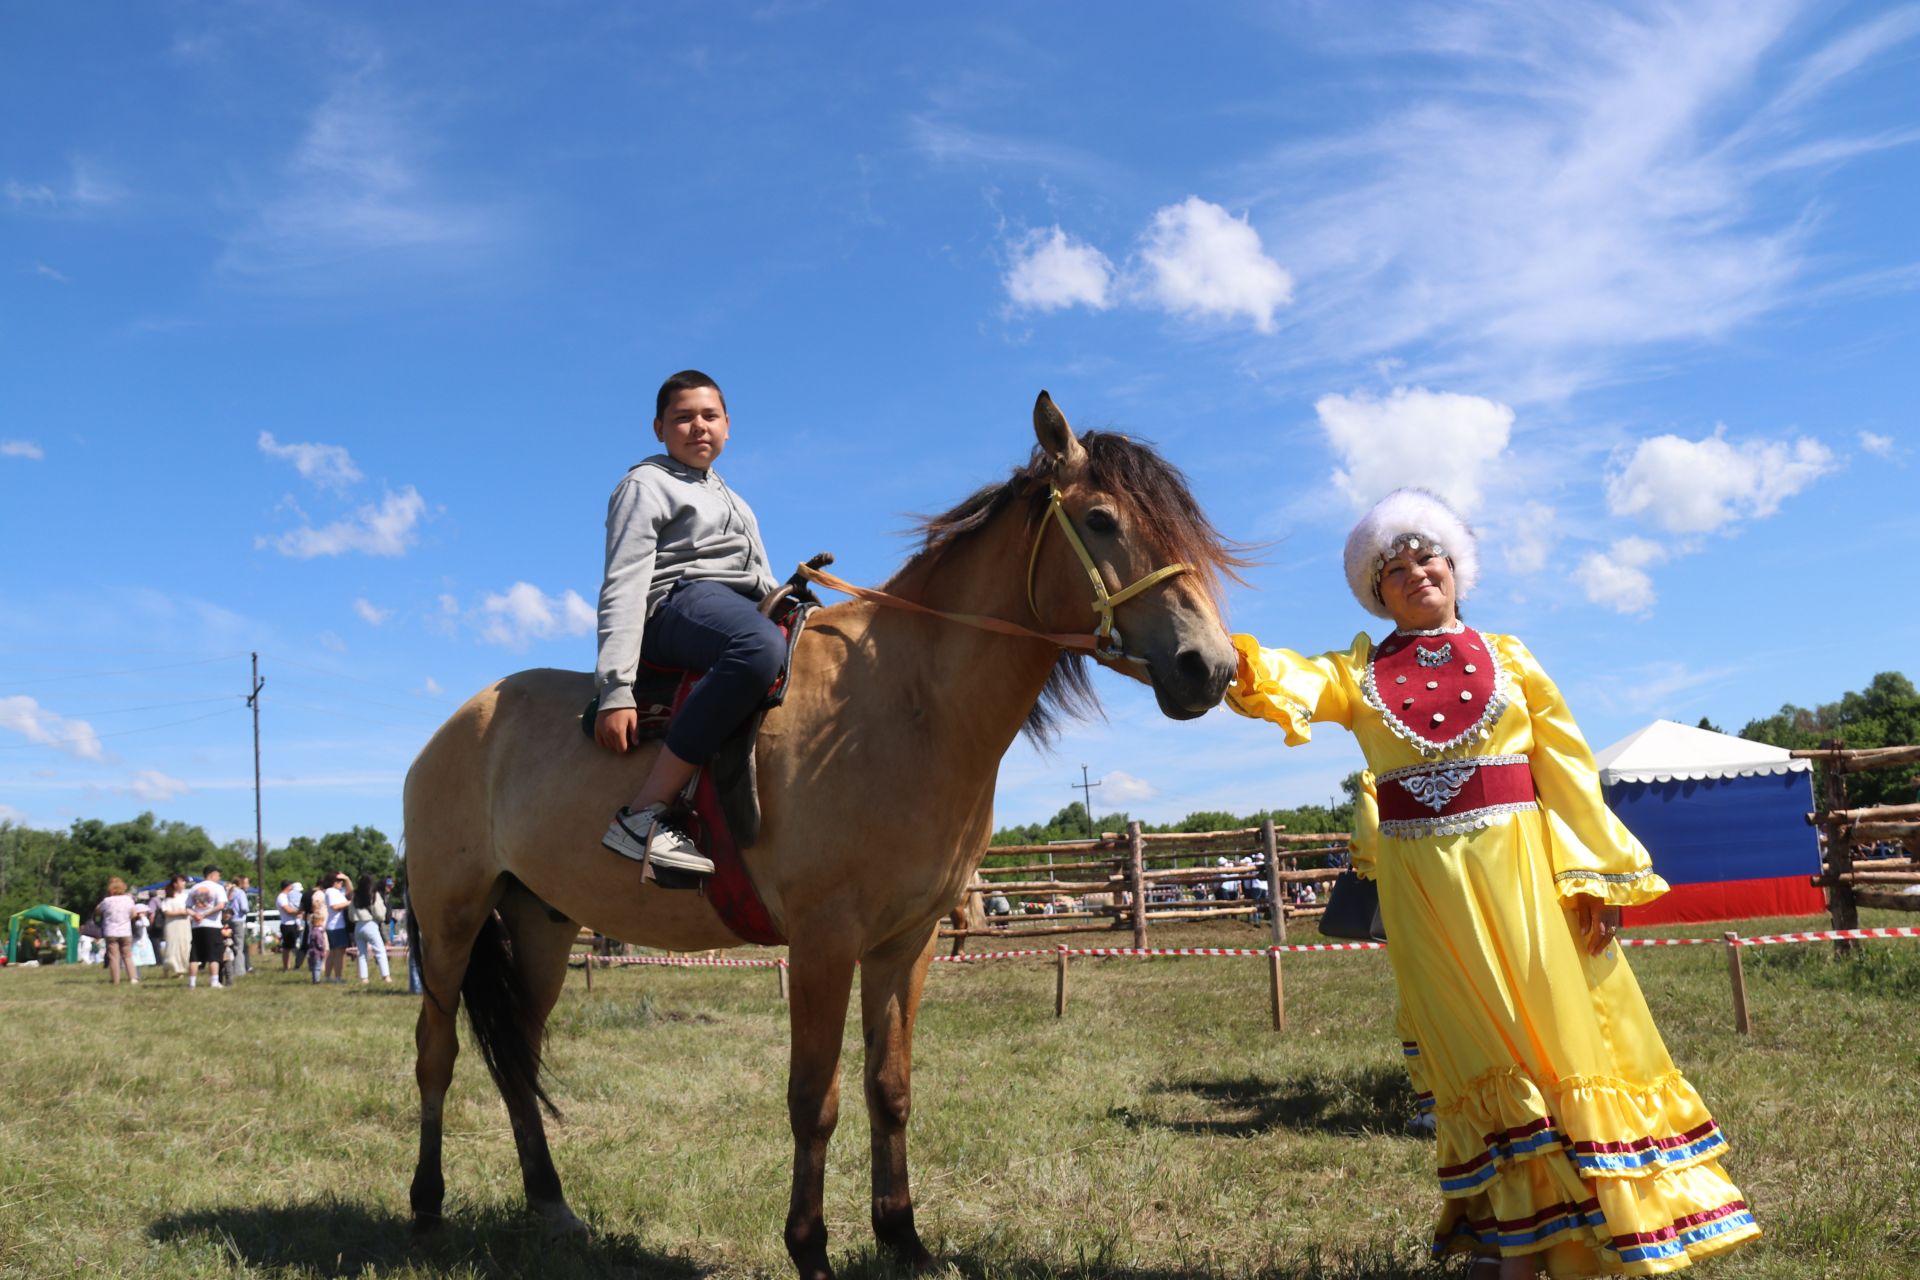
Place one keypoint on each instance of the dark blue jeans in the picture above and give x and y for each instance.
(710, 627)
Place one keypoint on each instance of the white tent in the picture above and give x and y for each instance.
(1665, 751)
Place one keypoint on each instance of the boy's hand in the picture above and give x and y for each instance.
(1597, 923)
(617, 730)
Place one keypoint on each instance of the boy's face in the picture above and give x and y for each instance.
(694, 429)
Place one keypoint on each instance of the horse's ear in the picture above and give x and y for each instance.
(1055, 436)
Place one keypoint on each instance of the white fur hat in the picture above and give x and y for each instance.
(1404, 513)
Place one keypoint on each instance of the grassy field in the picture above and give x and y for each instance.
(1159, 1131)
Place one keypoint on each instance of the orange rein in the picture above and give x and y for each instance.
(1102, 643)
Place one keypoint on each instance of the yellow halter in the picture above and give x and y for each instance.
(1107, 640)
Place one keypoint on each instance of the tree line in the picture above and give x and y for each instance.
(71, 868)
(1071, 822)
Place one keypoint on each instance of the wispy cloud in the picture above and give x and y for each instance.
(523, 613)
(26, 717)
(1876, 444)
(385, 528)
(21, 449)
(50, 273)
(156, 787)
(370, 613)
(355, 190)
(329, 465)
(1123, 788)
(85, 188)
(1617, 578)
(1585, 184)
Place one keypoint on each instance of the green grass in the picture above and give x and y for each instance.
(1159, 1131)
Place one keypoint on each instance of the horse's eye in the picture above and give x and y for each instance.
(1101, 521)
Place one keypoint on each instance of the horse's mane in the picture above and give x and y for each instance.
(1160, 503)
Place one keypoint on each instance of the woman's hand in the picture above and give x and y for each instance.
(617, 730)
(1598, 923)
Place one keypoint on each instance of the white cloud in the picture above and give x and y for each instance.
(1697, 486)
(156, 787)
(25, 716)
(1438, 440)
(430, 688)
(21, 449)
(18, 817)
(1052, 270)
(1200, 260)
(524, 613)
(331, 641)
(1617, 578)
(385, 529)
(1124, 788)
(355, 193)
(1878, 445)
(324, 464)
(1563, 185)
(370, 613)
(51, 273)
(1530, 538)
(86, 188)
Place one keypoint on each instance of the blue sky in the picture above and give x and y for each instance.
(325, 331)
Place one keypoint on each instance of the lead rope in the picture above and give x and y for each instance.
(1105, 641)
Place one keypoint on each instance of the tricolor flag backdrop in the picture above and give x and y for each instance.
(1724, 818)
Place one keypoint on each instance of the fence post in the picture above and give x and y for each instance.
(1842, 908)
(589, 968)
(1277, 919)
(1742, 1023)
(1060, 983)
(1137, 882)
(780, 967)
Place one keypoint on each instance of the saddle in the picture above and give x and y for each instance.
(723, 816)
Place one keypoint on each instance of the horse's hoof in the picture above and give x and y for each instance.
(427, 1224)
(560, 1223)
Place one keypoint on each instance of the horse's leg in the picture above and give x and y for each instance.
(820, 981)
(541, 947)
(890, 985)
(441, 934)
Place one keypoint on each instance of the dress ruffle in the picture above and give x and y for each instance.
(1609, 1178)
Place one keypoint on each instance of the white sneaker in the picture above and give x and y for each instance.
(669, 847)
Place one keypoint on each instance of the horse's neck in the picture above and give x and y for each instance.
(986, 683)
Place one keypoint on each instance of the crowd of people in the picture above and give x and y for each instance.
(183, 927)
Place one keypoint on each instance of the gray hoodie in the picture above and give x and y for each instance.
(668, 523)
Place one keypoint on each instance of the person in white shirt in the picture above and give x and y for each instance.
(207, 908)
(291, 931)
(339, 933)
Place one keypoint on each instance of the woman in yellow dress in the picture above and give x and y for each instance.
(1566, 1137)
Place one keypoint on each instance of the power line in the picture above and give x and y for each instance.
(121, 733)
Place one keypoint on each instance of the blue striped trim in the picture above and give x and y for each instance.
(1688, 1239)
(1423, 1102)
(1409, 1050)
(1651, 1156)
(1503, 1151)
(1570, 1221)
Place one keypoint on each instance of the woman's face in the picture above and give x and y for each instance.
(1417, 589)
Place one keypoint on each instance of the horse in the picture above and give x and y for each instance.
(505, 804)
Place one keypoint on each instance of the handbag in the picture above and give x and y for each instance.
(1353, 910)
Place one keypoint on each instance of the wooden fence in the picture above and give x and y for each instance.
(1849, 884)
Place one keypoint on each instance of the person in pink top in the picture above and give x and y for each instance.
(115, 914)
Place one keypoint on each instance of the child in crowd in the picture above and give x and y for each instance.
(685, 569)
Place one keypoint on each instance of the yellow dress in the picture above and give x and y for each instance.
(1563, 1127)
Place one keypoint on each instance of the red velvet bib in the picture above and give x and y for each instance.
(1436, 690)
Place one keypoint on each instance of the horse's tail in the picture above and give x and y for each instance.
(496, 1010)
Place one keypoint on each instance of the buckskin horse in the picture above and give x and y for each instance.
(505, 804)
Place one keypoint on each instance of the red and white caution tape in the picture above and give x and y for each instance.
(968, 957)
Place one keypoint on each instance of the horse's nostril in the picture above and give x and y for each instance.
(1193, 668)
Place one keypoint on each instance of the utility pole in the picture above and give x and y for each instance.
(259, 843)
(1085, 788)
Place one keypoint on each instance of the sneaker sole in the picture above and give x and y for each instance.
(695, 865)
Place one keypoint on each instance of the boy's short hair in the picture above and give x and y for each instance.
(685, 380)
(211, 870)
